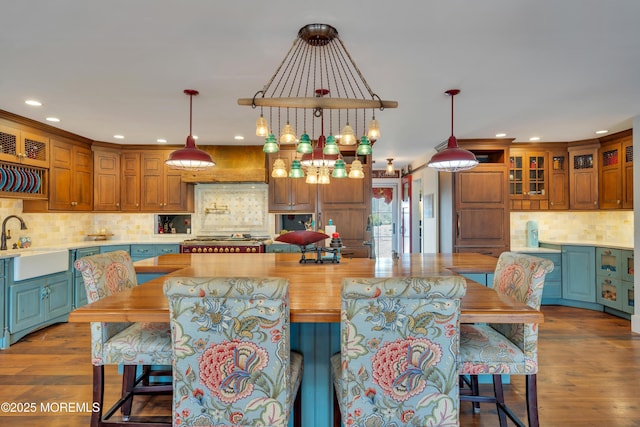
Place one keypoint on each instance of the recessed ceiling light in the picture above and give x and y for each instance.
(600, 132)
(500, 135)
(534, 138)
(161, 140)
(33, 103)
(53, 119)
(118, 136)
(238, 137)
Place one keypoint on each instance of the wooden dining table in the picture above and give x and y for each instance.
(314, 288)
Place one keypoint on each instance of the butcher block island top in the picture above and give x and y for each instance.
(314, 288)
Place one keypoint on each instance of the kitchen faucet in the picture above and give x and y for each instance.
(3, 239)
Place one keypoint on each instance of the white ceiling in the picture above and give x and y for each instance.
(555, 69)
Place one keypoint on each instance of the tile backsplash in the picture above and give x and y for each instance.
(597, 226)
(249, 207)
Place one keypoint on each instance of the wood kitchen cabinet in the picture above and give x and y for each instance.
(162, 188)
(528, 179)
(559, 178)
(288, 194)
(71, 179)
(627, 173)
(23, 145)
(481, 208)
(583, 175)
(106, 180)
(616, 171)
(148, 185)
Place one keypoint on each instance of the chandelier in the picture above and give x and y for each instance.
(318, 88)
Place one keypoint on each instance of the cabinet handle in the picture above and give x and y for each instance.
(458, 224)
(117, 205)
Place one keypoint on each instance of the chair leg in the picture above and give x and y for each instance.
(499, 394)
(297, 409)
(337, 415)
(98, 394)
(475, 391)
(532, 400)
(128, 383)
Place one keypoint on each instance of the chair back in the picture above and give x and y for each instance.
(103, 275)
(399, 349)
(230, 339)
(522, 277)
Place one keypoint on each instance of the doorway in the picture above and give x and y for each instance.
(384, 216)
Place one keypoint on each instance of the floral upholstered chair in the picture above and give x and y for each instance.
(508, 348)
(127, 344)
(399, 349)
(232, 364)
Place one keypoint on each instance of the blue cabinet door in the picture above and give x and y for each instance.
(578, 273)
(59, 295)
(26, 301)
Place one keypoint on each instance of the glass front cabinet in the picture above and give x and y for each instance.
(528, 178)
(614, 279)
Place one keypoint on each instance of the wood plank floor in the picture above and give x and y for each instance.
(589, 376)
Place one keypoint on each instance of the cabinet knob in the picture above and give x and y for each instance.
(117, 205)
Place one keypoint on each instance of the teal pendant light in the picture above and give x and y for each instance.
(271, 144)
(296, 170)
(304, 146)
(364, 148)
(339, 169)
(330, 145)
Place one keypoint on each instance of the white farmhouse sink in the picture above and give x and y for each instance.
(39, 263)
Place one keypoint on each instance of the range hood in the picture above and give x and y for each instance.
(234, 163)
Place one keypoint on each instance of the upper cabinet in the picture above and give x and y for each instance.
(162, 188)
(24, 146)
(616, 171)
(528, 179)
(71, 179)
(539, 176)
(106, 179)
(583, 175)
(559, 178)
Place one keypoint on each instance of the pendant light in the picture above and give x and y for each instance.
(453, 158)
(390, 169)
(190, 157)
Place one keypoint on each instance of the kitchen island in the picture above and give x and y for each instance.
(314, 301)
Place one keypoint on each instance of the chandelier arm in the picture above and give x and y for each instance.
(364, 81)
(268, 84)
(340, 69)
(290, 71)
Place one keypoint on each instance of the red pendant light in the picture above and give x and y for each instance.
(190, 157)
(453, 158)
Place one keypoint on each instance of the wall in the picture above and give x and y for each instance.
(598, 226)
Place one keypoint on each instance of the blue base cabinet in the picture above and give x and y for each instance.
(39, 302)
(145, 251)
(578, 274)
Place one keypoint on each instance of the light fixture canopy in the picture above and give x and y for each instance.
(190, 157)
(453, 158)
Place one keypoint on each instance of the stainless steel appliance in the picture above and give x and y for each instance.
(242, 244)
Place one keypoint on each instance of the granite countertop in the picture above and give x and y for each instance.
(598, 244)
